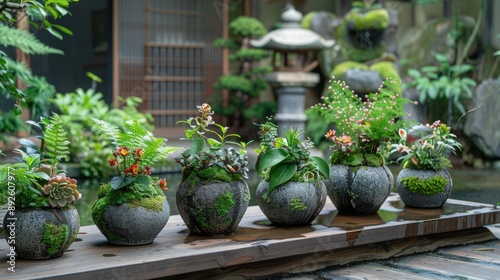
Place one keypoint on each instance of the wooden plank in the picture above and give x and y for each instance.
(478, 253)
(372, 272)
(449, 267)
(329, 238)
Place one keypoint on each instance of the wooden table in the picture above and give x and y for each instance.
(258, 249)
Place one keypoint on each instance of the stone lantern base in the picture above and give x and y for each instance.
(291, 88)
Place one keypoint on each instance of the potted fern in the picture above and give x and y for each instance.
(359, 181)
(291, 192)
(131, 209)
(212, 196)
(41, 221)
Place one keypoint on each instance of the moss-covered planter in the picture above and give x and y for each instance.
(424, 188)
(292, 203)
(212, 208)
(41, 233)
(134, 222)
(359, 190)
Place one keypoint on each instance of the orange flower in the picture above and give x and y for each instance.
(139, 152)
(147, 170)
(134, 169)
(123, 151)
(163, 184)
(113, 162)
(331, 135)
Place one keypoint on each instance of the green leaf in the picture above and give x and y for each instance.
(272, 158)
(322, 165)
(280, 174)
(63, 29)
(214, 144)
(119, 182)
(197, 145)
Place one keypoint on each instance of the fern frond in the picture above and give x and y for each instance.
(134, 136)
(109, 130)
(56, 143)
(25, 41)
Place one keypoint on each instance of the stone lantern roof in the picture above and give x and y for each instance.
(292, 36)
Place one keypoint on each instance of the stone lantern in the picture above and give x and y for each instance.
(294, 56)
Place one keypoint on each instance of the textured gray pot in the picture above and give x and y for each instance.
(129, 224)
(41, 233)
(292, 203)
(213, 208)
(413, 199)
(359, 190)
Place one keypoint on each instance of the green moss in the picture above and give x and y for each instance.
(357, 159)
(212, 174)
(296, 204)
(224, 203)
(201, 218)
(388, 70)
(373, 19)
(340, 69)
(54, 236)
(154, 203)
(428, 186)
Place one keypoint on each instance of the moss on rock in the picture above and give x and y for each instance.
(54, 237)
(341, 68)
(426, 186)
(373, 19)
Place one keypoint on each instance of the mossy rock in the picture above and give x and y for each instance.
(212, 207)
(368, 20)
(359, 190)
(132, 215)
(424, 188)
(292, 203)
(340, 69)
(43, 233)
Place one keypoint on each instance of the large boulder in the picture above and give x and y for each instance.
(482, 125)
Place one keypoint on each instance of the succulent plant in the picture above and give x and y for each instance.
(61, 191)
(234, 162)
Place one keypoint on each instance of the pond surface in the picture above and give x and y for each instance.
(471, 185)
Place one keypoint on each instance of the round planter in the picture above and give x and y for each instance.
(212, 208)
(359, 190)
(41, 233)
(130, 223)
(431, 179)
(292, 203)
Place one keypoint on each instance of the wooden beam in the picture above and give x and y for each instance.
(115, 52)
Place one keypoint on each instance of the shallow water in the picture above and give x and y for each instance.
(471, 185)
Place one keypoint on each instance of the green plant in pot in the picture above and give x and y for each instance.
(291, 192)
(424, 181)
(131, 209)
(212, 196)
(364, 126)
(41, 221)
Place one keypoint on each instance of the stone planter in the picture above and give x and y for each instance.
(424, 188)
(213, 208)
(359, 190)
(41, 233)
(292, 203)
(130, 223)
